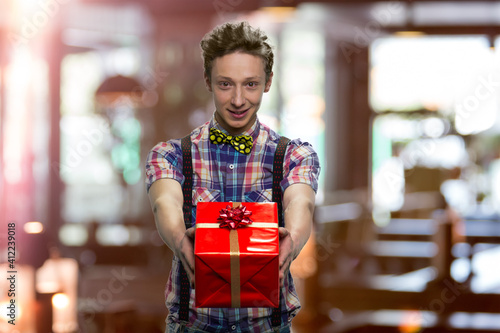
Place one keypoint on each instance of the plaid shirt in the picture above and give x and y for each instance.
(221, 174)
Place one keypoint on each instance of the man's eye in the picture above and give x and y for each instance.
(224, 84)
(252, 84)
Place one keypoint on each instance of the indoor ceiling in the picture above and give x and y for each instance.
(432, 15)
(163, 7)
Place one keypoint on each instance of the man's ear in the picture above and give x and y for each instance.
(208, 84)
(268, 83)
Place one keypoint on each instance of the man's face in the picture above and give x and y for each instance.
(238, 82)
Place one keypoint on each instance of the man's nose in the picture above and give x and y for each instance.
(238, 99)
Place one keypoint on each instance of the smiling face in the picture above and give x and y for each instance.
(238, 82)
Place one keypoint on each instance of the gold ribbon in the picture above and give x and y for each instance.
(234, 249)
(234, 252)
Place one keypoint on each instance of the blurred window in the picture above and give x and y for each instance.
(302, 87)
(100, 146)
(427, 94)
(431, 73)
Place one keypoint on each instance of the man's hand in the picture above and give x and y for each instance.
(184, 250)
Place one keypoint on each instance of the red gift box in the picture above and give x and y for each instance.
(236, 267)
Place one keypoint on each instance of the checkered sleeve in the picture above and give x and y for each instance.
(164, 161)
(301, 165)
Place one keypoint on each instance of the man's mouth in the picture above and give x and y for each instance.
(238, 114)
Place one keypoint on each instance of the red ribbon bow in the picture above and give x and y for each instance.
(233, 218)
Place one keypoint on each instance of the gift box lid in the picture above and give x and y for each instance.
(259, 237)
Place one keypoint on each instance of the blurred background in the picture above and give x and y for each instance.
(399, 99)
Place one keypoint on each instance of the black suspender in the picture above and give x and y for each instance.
(278, 177)
(278, 198)
(187, 189)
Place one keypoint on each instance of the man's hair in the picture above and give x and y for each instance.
(236, 37)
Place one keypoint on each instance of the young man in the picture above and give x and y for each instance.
(238, 69)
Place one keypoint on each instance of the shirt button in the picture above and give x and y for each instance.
(231, 166)
(233, 327)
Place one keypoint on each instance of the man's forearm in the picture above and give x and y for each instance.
(170, 228)
(299, 210)
(166, 202)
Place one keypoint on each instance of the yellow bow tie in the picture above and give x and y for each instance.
(241, 143)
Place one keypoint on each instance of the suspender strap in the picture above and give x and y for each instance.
(187, 189)
(278, 177)
(187, 171)
(278, 198)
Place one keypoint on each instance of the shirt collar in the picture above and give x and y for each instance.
(252, 131)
